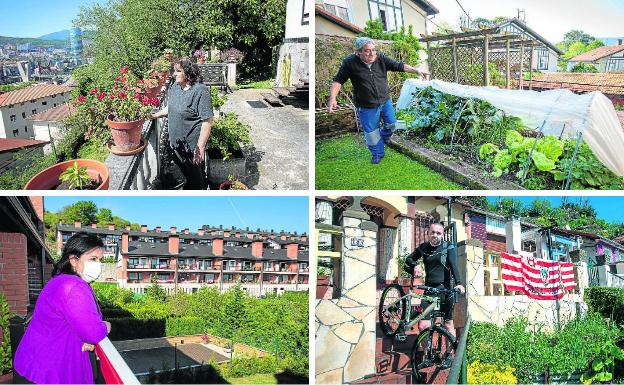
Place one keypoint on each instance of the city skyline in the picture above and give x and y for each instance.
(16, 17)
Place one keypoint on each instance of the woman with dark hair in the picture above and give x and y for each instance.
(66, 324)
(190, 120)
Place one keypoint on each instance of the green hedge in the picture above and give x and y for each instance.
(606, 301)
(185, 326)
(131, 328)
(531, 352)
(114, 312)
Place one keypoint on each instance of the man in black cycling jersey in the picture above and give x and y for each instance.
(440, 259)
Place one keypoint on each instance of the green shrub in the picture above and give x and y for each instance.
(480, 373)
(131, 328)
(111, 295)
(606, 301)
(108, 312)
(5, 345)
(148, 309)
(185, 326)
(246, 365)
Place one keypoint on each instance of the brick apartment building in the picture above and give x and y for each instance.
(262, 262)
(25, 262)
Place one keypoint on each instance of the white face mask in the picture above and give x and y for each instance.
(92, 271)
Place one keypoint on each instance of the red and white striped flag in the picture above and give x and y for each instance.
(537, 278)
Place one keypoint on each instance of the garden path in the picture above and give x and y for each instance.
(280, 136)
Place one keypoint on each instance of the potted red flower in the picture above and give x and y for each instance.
(127, 113)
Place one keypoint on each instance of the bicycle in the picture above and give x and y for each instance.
(433, 344)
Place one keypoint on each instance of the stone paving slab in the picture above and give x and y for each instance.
(141, 361)
(281, 138)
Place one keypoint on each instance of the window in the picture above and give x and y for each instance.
(282, 279)
(163, 276)
(542, 58)
(230, 243)
(283, 266)
(247, 278)
(301, 279)
(305, 16)
(15, 132)
(135, 277)
(13, 118)
(303, 266)
(228, 277)
(389, 12)
(209, 277)
(266, 277)
(230, 265)
(339, 8)
(205, 264)
(66, 237)
(23, 115)
(268, 266)
(25, 128)
(34, 111)
(247, 265)
(54, 104)
(44, 103)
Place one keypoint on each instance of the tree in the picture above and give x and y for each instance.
(83, 211)
(104, 216)
(444, 28)
(577, 36)
(509, 207)
(584, 68)
(154, 292)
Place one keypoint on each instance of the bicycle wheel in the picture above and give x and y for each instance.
(430, 351)
(391, 309)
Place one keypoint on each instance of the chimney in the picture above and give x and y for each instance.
(217, 247)
(283, 236)
(200, 231)
(256, 248)
(77, 224)
(304, 237)
(172, 230)
(513, 235)
(174, 243)
(238, 234)
(157, 229)
(226, 233)
(291, 250)
(124, 242)
(250, 236)
(37, 203)
(94, 225)
(186, 230)
(111, 226)
(143, 228)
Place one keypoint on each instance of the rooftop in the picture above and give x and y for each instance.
(36, 91)
(319, 10)
(54, 114)
(10, 144)
(598, 53)
(608, 83)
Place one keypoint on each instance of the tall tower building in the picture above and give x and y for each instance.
(75, 40)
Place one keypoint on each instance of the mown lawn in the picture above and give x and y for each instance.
(344, 163)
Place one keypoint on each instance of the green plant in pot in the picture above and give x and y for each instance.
(227, 135)
(76, 177)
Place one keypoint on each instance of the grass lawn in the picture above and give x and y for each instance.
(263, 84)
(344, 163)
(253, 379)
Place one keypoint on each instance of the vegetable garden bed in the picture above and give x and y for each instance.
(476, 133)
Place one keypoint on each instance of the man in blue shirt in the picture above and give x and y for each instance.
(368, 72)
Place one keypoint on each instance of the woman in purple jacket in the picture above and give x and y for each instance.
(66, 324)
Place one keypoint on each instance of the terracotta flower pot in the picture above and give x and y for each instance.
(49, 178)
(126, 135)
(227, 185)
(323, 288)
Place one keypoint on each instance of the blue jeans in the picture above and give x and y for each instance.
(373, 133)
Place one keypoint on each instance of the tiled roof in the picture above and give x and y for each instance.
(36, 91)
(337, 20)
(10, 144)
(91, 230)
(54, 114)
(427, 7)
(530, 31)
(608, 83)
(598, 53)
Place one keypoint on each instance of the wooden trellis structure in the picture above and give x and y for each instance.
(470, 57)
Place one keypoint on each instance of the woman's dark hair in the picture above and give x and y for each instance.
(77, 245)
(190, 69)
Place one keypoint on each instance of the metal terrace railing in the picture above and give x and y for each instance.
(459, 370)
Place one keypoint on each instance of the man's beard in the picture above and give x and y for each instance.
(435, 244)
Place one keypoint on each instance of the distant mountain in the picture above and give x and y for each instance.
(60, 35)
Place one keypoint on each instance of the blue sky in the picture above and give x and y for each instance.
(277, 213)
(34, 18)
(610, 209)
(549, 18)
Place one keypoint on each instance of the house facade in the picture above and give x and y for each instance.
(605, 59)
(183, 260)
(345, 17)
(17, 106)
(25, 261)
(295, 51)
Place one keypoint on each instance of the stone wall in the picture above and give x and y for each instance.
(345, 327)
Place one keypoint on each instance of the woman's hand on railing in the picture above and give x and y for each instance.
(108, 327)
(87, 347)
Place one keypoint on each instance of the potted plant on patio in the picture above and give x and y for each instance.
(225, 150)
(233, 184)
(199, 56)
(78, 174)
(323, 286)
(126, 115)
(161, 67)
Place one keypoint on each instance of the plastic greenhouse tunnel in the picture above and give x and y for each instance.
(559, 114)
